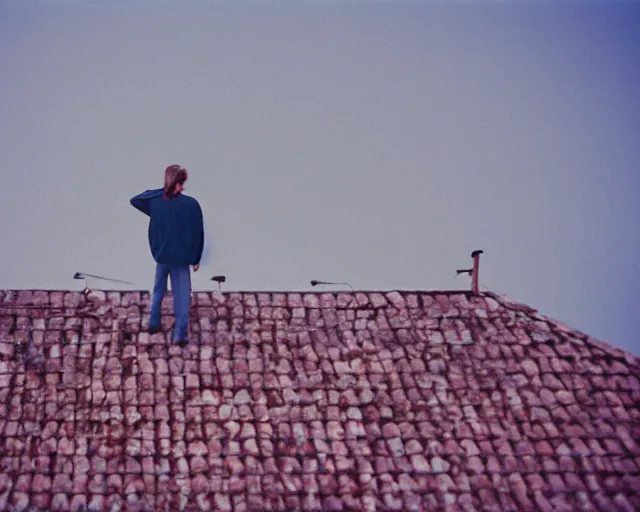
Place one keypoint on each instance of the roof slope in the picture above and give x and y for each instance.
(285, 401)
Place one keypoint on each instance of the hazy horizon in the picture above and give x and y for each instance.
(373, 144)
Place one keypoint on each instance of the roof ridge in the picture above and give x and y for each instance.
(10, 299)
(606, 347)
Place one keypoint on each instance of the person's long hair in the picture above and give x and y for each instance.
(173, 175)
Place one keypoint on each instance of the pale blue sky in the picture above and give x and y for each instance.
(377, 145)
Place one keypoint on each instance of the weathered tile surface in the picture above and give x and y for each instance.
(311, 401)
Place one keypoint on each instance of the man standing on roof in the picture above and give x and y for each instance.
(176, 240)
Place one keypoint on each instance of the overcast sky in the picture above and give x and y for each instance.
(377, 145)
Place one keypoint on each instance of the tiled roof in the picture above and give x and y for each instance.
(311, 401)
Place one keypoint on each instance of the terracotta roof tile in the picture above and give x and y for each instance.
(312, 401)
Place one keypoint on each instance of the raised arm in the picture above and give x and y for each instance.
(141, 201)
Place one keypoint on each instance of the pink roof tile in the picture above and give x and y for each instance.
(311, 401)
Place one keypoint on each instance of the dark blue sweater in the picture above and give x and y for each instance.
(176, 228)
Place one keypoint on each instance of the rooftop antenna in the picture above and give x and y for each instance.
(219, 280)
(85, 276)
(315, 282)
(473, 272)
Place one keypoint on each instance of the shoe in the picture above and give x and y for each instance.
(181, 343)
(154, 330)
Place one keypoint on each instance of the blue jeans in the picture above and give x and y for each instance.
(181, 289)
